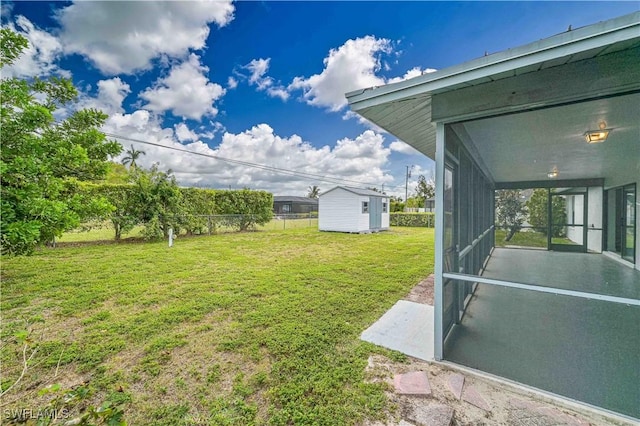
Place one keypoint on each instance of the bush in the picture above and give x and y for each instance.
(245, 208)
(196, 204)
(426, 220)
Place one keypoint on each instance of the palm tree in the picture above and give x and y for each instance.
(131, 157)
(314, 192)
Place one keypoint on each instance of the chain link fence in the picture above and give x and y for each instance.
(105, 230)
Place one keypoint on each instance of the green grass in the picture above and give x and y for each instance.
(528, 239)
(230, 329)
(524, 239)
(105, 231)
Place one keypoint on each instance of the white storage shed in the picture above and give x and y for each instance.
(347, 209)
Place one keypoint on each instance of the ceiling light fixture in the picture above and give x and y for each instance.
(597, 136)
(553, 173)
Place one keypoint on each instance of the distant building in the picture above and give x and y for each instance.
(346, 209)
(286, 204)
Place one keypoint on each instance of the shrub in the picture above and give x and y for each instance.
(426, 220)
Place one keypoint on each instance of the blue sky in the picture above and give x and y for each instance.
(264, 82)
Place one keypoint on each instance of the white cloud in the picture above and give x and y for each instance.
(232, 83)
(349, 67)
(111, 94)
(39, 58)
(278, 92)
(186, 91)
(264, 83)
(413, 72)
(403, 148)
(184, 134)
(362, 159)
(124, 37)
(259, 68)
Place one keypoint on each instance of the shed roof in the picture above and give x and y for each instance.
(405, 109)
(294, 199)
(358, 191)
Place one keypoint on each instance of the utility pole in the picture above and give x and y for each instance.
(406, 184)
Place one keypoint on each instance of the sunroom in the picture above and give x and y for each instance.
(559, 117)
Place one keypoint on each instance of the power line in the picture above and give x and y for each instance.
(289, 172)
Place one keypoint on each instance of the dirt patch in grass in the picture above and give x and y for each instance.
(422, 292)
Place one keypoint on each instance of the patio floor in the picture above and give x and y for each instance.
(582, 349)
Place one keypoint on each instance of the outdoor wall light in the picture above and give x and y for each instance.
(597, 136)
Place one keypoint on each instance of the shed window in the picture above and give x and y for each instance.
(384, 207)
(286, 208)
(365, 207)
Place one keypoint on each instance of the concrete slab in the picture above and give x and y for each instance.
(412, 383)
(432, 415)
(455, 382)
(473, 397)
(407, 327)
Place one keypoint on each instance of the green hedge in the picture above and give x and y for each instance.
(426, 220)
(243, 209)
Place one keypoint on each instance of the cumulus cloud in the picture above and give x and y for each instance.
(354, 65)
(362, 159)
(124, 37)
(110, 95)
(403, 148)
(257, 77)
(349, 67)
(184, 134)
(186, 91)
(232, 83)
(39, 58)
(413, 72)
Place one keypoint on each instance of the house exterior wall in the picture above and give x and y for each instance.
(294, 207)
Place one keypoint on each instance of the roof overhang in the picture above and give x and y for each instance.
(592, 62)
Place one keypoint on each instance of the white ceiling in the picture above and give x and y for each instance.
(526, 146)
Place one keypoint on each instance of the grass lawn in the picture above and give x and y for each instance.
(528, 239)
(106, 233)
(245, 328)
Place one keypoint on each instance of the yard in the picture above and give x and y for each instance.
(528, 239)
(246, 328)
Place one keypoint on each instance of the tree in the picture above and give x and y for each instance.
(510, 211)
(425, 190)
(156, 197)
(538, 212)
(313, 192)
(41, 161)
(131, 156)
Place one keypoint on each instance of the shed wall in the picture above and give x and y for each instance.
(341, 210)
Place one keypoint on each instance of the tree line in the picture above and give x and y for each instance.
(54, 175)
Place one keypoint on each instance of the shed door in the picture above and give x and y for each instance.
(375, 212)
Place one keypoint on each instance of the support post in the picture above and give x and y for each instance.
(438, 333)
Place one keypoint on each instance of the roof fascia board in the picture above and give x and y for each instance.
(569, 43)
